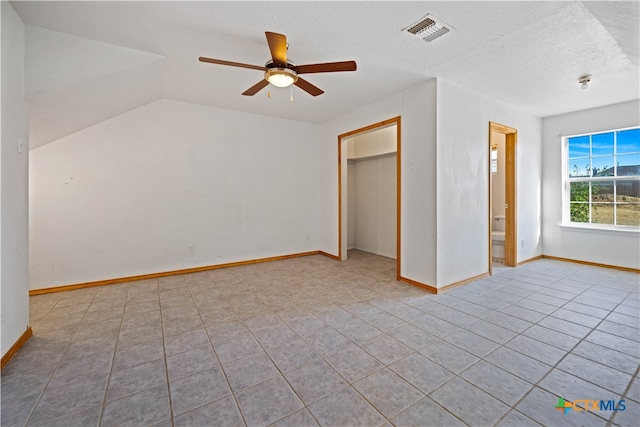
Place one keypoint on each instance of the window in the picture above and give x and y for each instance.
(603, 178)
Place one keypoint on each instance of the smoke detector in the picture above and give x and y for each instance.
(428, 28)
(584, 81)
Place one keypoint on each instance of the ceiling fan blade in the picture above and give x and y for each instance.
(308, 87)
(278, 47)
(256, 88)
(327, 67)
(233, 64)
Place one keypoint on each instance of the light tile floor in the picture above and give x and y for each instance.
(311, 341)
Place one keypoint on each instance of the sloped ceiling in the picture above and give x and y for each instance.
(72, 82)
(621, 22)
(88, 61)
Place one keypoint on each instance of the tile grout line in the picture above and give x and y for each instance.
(387, 365)
(533, 387)
(464, 328)
(66, 348)
(349, 385)
(304, 404)
(512, 407)
(224, 373)
(113, 358)
(164, 351)
(624, 394)
(567, 352)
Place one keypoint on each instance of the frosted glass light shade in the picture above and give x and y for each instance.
(280, 77)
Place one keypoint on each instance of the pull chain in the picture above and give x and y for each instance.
(291, 99)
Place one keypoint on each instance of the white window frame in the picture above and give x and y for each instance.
(566, 180)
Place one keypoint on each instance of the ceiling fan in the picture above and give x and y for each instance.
(283, 73)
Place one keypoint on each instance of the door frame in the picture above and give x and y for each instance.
(511, 195)
(342, 215)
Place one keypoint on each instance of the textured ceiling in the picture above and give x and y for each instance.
(526, 54)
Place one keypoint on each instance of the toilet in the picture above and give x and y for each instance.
(497, 237)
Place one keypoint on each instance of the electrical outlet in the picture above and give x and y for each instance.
(522, 243)
(20, 145)
(191, 249)
(307, 236)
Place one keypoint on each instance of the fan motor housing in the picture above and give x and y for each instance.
(290, 64)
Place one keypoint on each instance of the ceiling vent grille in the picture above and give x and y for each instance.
(429, 28)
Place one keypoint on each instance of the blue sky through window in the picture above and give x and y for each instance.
(593, 155)
(629, 141)
(602, 143)
(579, 146)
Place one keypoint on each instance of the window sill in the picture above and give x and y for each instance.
(599, 228)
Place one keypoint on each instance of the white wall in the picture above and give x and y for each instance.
(373, 143)
(14, 249)
(462, 181)
(130, 195)
(351, 203)
(599, 246)
(375, 204)
(417, 108)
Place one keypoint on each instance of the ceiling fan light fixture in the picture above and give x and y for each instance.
(280, 77)
(281, 72)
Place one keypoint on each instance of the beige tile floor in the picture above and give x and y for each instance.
(312, 341)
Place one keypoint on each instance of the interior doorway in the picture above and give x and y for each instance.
(507, 137)
(379, 152)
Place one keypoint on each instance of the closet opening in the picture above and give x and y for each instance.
(369, 191)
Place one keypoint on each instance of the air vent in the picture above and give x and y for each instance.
(429, 28)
